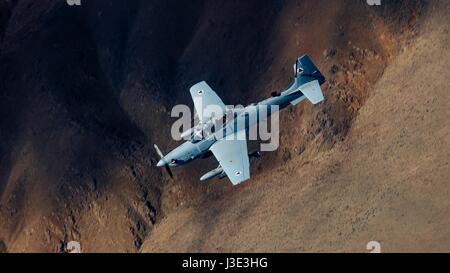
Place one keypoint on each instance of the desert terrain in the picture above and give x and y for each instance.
(86, 91)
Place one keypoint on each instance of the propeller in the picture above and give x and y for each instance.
(161, 155)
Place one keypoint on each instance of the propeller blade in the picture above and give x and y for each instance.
(169, 171)
(158, 151)
(161, 155)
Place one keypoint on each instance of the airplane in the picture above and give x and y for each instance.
(231, 152)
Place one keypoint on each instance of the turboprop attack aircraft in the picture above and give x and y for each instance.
(228, 143)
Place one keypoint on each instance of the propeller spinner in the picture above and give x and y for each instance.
(162, 162)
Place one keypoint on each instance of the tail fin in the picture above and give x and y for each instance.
(307, 69)
(307, 80)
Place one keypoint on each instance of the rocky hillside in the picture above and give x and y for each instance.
(86, 91)
(386, 181)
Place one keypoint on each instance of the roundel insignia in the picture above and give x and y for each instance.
(200, 92)
(238, 173)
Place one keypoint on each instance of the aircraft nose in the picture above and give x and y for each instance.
(161, 163)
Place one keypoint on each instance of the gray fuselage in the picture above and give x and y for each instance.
(248, 116)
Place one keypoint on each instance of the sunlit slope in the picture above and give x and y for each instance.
(388, 181)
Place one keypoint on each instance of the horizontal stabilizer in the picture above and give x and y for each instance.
(312, 91)
(297, 101)
(308, 80)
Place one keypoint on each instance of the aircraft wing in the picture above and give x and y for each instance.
(206, 102)
(233, 157)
